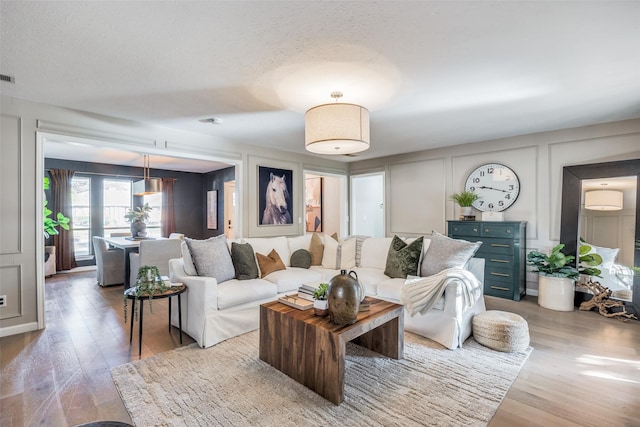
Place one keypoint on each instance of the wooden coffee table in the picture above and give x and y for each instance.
(311, 349)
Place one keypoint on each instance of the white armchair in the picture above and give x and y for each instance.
(109, 263)
(155, 253)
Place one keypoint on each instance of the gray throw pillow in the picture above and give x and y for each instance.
(244, 261)
(445, 252)
(301, 258)
(403, 259)
(211, 258)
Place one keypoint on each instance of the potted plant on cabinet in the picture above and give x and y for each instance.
(556, 278)
(137, 218)
(465, 200)
(320, 303)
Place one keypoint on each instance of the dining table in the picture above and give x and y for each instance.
(128, 245)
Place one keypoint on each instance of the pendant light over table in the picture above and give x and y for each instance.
(147, 185)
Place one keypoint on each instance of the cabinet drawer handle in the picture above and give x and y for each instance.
(498, 245)
(500, 288)
(499, 274)
(499, 260)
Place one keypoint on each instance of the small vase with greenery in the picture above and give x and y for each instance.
(149, 282)
(465, 200)
(320, 303)
(137, 218)
(556, 279)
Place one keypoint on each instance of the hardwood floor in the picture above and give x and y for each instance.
(584, 370)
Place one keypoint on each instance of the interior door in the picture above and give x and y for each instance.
(367, 205)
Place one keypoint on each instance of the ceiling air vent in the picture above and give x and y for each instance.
(6, 78)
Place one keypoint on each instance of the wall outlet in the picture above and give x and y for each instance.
(3, 301)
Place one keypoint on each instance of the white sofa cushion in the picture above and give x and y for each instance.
(325, 273)
(370, 277)
(263, 245)
(374, 252)
(300, 242)
(291, 278)
(235, 292)
(339, 255)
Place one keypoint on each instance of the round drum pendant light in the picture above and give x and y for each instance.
(603, 200)
(337, 128)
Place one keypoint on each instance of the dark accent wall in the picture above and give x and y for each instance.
(189, 204)
(215, 181)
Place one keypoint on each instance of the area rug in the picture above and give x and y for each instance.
(228, 385)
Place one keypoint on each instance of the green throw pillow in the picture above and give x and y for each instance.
(403, 259)
(244, 261)
(301, 258)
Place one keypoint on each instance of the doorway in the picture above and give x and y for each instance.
(230, 209)
(367, 205)
(325, 203)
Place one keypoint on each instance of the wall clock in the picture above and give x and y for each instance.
(497, 185)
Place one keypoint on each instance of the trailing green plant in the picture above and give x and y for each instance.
(465, 198)
(321, 292)
(588, 261)
(50, 224)
(556, 264)
(141, 213)
(148, 283)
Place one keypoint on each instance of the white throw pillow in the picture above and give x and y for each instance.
(339, 255)
(263, 245)
(608, 255)
(374, 252)
(300, 242)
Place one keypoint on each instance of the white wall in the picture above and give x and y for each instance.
(24, 127)
(420, 184)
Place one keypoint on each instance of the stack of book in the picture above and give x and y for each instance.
(306, 291)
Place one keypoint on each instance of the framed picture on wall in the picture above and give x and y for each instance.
(313, 204)
(275, 195)
(212, 210)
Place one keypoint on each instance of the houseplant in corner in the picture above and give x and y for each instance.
(556, 278)
(320, 303)
(137, 218)
(465, 200)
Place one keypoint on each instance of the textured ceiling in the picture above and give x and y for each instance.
(432, 73)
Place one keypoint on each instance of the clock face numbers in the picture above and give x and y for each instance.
(497, 185)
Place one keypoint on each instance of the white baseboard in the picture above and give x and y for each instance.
(532, 292)
(18, 329)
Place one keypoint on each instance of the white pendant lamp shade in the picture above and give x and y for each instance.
(147, 185)
(603, 200)
(336, 129)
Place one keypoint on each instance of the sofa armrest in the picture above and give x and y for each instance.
(476, 266)
(201, 294)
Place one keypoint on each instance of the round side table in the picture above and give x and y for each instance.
(169, 293)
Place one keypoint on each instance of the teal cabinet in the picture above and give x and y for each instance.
(503, 249)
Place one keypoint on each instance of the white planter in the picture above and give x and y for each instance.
(321, 307)
(555, 293)
(466, 210)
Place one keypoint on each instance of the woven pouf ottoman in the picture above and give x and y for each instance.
(500, 330)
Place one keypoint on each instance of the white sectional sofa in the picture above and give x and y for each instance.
(213, 312)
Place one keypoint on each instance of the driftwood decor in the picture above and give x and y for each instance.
(604, 305)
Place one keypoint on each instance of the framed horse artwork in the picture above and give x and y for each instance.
(275, 195)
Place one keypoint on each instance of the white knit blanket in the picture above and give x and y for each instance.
(419, 294)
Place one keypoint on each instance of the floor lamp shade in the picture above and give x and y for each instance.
(603, 200)
(337, 129)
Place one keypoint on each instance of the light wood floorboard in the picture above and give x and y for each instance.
(584, 370)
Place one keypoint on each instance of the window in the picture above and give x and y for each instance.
(155, 216)
(116, 201)
(81, 215)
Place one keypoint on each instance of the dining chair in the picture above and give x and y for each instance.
(155, 253)
(109, 263)
(176, 236)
